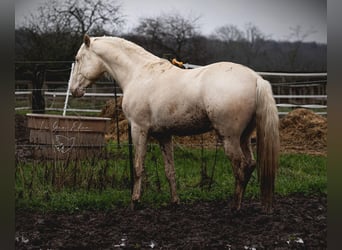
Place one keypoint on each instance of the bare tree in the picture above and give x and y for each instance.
(253, 33)
(238, 43)
(171, 32)
(254, 40)
(56, 30)
(298, 36)
(228, 33)
(78, 17)
(230, 36)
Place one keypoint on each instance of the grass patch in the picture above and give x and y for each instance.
(302, 173)
(104, 184)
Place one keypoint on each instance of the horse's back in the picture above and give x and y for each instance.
(227, 75)
(229, 95)
(225, 82)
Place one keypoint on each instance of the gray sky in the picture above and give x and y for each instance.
(273, 17)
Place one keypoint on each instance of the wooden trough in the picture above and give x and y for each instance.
(67, 137)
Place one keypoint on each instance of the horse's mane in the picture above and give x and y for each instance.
(129, 46)
(133, 48)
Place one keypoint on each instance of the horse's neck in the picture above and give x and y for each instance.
(123, 60)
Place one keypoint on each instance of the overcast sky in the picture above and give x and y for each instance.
(273, 17)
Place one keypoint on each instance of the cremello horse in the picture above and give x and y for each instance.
(161, 100)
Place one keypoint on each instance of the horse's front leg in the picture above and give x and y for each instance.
(139, 137)
(167, 151)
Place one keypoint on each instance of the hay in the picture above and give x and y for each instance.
(109, 110)
(301, 131)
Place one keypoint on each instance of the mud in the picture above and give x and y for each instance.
(298, 222)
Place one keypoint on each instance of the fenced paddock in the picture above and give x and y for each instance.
(91, 192)
(200, 164)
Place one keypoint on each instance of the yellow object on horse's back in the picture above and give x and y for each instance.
(177, 63)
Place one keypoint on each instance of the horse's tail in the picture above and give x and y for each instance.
(267, 125)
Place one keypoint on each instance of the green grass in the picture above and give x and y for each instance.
(302, 173)
(104, 184)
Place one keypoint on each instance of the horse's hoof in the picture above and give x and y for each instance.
(236, 213)
(175, 202)
(235, 210)
(267, 210)
(135, 205)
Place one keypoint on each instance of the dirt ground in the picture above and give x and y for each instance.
(298, 221)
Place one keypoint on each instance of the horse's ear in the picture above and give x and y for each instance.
(86, 40)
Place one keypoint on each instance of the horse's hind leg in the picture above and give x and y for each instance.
(167, 151)
(241, 169)
(250, 162)
(139, 137)
(246, 147)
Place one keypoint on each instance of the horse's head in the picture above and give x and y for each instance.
(87, 69)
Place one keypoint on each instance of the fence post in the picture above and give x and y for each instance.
(38, 102)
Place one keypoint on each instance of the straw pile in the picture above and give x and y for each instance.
(303, 131)
(111, 110)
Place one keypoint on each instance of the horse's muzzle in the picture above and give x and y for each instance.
(77, 92)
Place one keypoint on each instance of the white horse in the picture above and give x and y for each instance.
(161, 100)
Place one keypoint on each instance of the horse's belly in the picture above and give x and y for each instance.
(186, 124)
